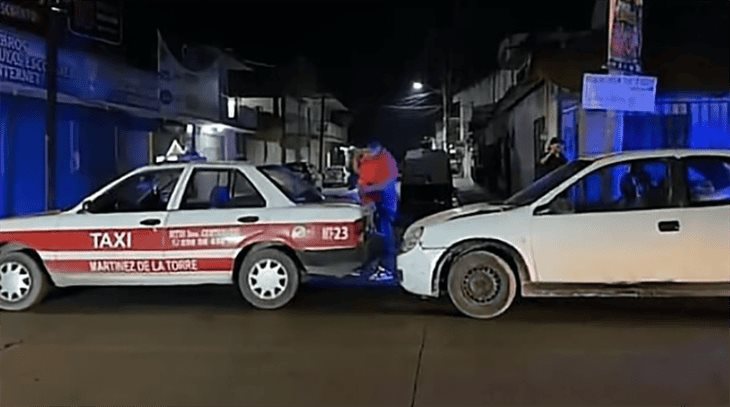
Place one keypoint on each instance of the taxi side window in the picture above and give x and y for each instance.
(218, 189)
(148, 191)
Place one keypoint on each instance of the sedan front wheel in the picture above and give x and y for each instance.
(481, 285)
(23, 283)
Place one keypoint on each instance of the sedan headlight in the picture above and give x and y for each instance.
(411, 239)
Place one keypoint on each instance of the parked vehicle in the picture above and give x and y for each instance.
(632, 224)
(335, 177)
(306, 171)
(426, 184)
(261, 229)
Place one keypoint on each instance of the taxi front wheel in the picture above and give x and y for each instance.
(268, 279)
(23, 283)
(481, 285)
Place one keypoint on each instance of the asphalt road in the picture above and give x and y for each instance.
(353, 346)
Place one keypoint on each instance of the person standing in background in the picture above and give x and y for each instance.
(377, 184)
(554, 158)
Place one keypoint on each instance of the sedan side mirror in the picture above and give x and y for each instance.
(543, 210)
(558, 206)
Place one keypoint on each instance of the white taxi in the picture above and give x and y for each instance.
(261, 229)
(628, 224)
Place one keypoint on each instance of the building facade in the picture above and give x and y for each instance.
(111, 118)
(511, 120)
(105, 114)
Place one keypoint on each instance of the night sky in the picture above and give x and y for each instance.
(368, 52)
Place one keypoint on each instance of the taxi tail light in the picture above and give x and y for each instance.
(360, 229)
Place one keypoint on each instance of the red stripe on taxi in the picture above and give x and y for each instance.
(309, 236)
(140, 266)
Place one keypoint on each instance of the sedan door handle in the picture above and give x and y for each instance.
(150, 222)
(248, 219)
(669, 226)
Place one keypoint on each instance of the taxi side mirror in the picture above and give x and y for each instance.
(86, 206)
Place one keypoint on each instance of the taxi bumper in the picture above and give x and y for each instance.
(339, 262)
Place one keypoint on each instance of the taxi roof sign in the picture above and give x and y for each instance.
(183, 158)
(176, 149)
(177, 154)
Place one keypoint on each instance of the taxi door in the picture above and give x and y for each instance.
(117, 234)
(218, 210)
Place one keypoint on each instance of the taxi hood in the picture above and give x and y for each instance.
(24, 222)
(461, 212)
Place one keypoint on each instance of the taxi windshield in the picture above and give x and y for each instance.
(293, 185)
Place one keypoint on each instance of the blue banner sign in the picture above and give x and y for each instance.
(80, 74)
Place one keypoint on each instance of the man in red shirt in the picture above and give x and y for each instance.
(378, 173)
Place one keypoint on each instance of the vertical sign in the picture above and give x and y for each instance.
(25, 15)
(99, 20)
(624, 35)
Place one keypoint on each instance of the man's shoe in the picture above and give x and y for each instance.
(382, 276)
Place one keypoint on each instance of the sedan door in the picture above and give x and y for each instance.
(705, 220)
(618, 224)
(219, 209)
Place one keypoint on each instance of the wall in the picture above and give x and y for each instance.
(488, 91)
(93, 147)
(255, 151)
(680, 121)
(264, 104)
(522, 121)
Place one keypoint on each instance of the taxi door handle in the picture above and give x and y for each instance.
(150, 222)
(248, 219)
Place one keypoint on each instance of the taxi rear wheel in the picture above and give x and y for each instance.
(268, 279)
(23, 283)
(481, 285)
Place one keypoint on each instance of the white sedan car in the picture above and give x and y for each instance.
(628, 224)
(260, 229)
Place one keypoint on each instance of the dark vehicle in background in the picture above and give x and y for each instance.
(306, 171)
(335, 177)
(426, 185)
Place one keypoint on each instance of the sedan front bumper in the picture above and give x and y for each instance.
(416, 270)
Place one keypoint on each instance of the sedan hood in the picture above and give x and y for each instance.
(461, 212)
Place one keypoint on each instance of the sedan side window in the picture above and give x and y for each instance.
(220, 188)
(147, 191)
(708, 180)
(619, 187)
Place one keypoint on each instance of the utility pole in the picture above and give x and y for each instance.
(445, 118)
(283, 141)
(53, 34)
(321, 135)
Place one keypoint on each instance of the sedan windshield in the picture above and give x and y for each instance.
(293, 185)
(547, 183)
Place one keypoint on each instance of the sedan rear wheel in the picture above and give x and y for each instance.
(481, 285)
(23, 283)
(268, 279)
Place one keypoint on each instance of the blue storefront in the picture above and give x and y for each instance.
(105, 116)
